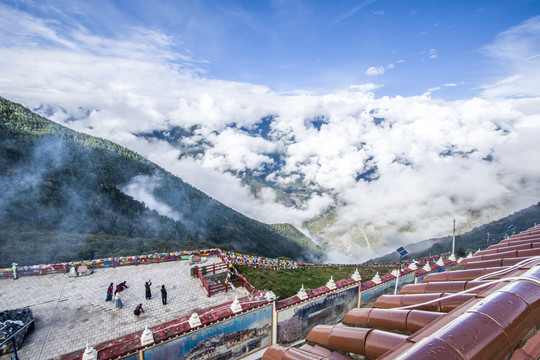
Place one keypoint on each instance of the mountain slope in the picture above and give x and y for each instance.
(294, 234)
(65, 195)
(473, 240)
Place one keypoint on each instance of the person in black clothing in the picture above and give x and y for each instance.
(163, 295)
(148, 291)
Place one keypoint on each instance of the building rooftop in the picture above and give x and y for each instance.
(490, 309)
(70, 312)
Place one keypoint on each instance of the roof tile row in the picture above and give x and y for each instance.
(482, 312)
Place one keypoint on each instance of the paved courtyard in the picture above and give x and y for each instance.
(69, 312)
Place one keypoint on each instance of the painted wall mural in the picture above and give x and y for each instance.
(295, 322)
(229, 339)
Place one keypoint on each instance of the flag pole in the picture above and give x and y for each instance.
(454, 239)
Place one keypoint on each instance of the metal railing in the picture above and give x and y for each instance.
(12, 338)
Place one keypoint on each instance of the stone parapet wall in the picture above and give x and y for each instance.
(43, 269)
(290, 320)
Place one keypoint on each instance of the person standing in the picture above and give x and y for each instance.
(109, 293)
(117, 299)
(14, 268)
(163, 295)
(148, 291)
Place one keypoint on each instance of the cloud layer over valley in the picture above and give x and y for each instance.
(369, 173)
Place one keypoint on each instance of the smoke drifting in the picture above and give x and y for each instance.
(141, 188)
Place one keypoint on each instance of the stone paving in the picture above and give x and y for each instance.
(69, 312)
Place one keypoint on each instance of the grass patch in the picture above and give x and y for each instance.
(286, 283)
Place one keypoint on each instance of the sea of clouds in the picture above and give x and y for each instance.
(431, 160)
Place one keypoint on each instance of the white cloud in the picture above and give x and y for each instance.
(237, 151)
(364, 88)
(432, 160)
(351, 12)
(519, 43)
(375, 70)
(379, 70)
(518, 50)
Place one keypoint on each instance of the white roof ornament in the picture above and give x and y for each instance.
(235, 306)
(302, 295)
(194, 320)
(147, 337)
(270, 296)
(89, 353)
(356, 276)
(440, 262)
(331, 284)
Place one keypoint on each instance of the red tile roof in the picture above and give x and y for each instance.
(482, 312)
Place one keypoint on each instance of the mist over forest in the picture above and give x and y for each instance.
(67, 196)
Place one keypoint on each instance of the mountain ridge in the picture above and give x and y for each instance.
(472, 240)
(80, 188)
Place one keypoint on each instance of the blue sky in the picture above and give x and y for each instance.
(439, 101)
(318, 46)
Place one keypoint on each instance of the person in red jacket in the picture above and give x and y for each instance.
(121, 286)
(138, 310)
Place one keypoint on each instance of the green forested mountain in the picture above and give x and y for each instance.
(296, 235)
(63, 197)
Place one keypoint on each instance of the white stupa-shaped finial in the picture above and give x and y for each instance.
(470, 255)
(331, 284)
(376, 279)
(356, 276)
(427, 267)
(270, 296)
(395, 272)
(235, 306)
(413, 266)
(440, 262)
(194, 320)
(147, 337)
(452, 257)
(89, 353)
(302, 295)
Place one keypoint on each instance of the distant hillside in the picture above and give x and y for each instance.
(295, 235)
(473, 240)
(65, 197)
